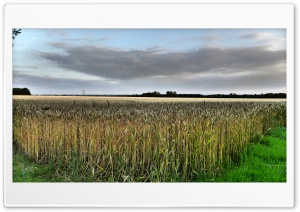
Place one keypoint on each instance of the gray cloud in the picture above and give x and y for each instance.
(266, 39)
(85, 39)
(204, 38)
(251, 36)
(48, 84)
(59, 32)
(209, 84)
(137, 64)
(60, 45)
(31, 67)
(258, 36)
(260, 81)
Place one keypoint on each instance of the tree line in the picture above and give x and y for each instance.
(156, 93)
(231, 95)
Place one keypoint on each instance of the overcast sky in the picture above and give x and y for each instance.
(135, 61)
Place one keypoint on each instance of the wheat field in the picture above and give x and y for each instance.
(137, 139)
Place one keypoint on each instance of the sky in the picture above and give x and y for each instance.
(136, 61)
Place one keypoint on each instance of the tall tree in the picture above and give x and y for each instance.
(21, 91)
(15, 32)
(171, 93)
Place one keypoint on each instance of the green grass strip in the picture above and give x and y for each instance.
(264, 161)
(26, 170)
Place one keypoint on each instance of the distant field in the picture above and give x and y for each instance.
(144, 99)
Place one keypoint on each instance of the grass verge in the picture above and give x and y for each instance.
(263, 161)
(26, 170)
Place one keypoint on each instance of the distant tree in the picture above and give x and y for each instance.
(171, 93)
(15, 32)
(21, 91)
(151, 94)
(156, 93)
